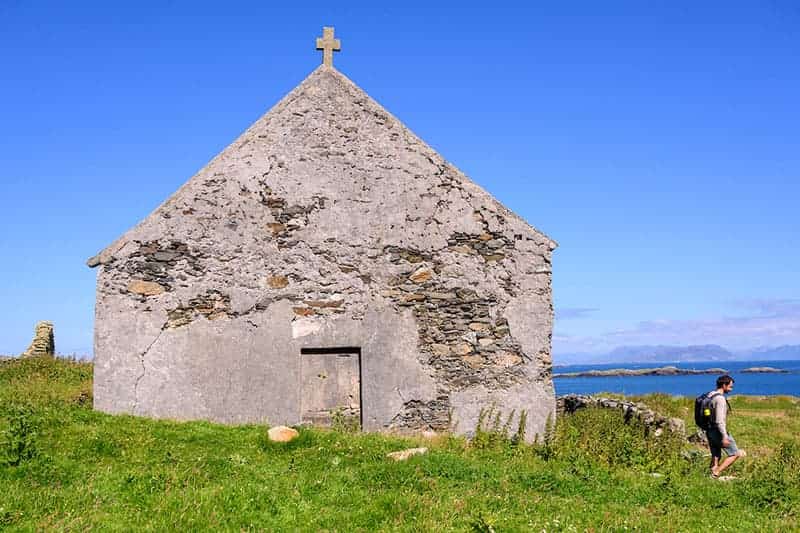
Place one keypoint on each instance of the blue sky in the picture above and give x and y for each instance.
(657, 142)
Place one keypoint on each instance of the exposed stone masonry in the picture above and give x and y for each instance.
(155, 267)
(433, 415)
(490, 246)
(43, 344)
(211, 305)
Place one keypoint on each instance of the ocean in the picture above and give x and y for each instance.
(754, 384)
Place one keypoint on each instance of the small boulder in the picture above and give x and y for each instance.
(402, 455)
(282, 434)
(676, 425)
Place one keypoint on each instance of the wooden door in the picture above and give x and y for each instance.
(331, 387)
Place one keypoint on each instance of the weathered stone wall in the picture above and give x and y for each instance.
(653, 422)
(327, 223)
(43, 344)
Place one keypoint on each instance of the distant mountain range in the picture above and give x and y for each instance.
(669, 354)
(788, 352)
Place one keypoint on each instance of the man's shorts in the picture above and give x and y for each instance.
(715, 443)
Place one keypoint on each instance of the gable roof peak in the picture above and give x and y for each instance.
(325, 110)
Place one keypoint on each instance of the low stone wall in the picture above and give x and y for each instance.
(698, 437)
(653, 422)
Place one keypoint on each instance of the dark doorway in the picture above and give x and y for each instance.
(331, 386)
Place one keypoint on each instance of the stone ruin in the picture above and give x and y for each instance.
(653, 422)
(328, 264)
(43, 344)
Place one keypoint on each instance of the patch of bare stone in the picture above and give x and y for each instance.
(403, 455)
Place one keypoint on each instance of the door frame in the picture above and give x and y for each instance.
(337, 350)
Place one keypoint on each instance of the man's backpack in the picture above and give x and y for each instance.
(704, 410)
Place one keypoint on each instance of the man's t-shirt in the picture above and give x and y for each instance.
(720, 407)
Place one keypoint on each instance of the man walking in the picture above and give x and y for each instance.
(718, 437)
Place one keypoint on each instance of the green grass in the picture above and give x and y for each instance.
(79, 469)
(759, 423)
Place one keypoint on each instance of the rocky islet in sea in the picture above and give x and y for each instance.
(663, 371)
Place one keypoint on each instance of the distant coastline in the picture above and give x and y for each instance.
(663, 371)
(668, 355)
(750, 379)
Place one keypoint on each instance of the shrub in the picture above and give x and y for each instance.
(545, 447)
(18, 441)
(522, 426)
(344, 422)
(602, 436)
(491, 431)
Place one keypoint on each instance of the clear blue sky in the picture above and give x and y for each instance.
(657, 142)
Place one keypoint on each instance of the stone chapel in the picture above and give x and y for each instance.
(328, 263)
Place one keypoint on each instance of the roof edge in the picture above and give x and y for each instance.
(354, 86)
(107, 253)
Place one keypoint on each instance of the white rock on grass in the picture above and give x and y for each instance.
(282, 434)
(405, 454)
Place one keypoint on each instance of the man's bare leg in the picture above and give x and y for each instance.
(725, 464)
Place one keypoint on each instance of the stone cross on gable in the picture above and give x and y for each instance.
(328, 45)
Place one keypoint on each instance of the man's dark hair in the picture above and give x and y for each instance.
(724, 380)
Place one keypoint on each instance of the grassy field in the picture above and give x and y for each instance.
(66, 467)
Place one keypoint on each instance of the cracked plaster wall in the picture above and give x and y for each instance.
(326, 223)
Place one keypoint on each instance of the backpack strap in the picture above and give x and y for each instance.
(717, 393)
(711, 395)
(714, 393)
